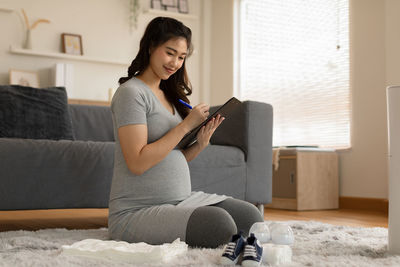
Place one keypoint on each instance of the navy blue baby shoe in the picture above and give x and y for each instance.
(233, 249)
(252, 254)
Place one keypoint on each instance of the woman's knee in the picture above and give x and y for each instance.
(244, 213)
(209, 227)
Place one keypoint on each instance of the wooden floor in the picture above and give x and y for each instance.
(361, 218)
(55, 218)
(96, 218)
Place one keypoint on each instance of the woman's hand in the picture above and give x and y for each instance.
(205, 133)
(203, 138)
(197, 115)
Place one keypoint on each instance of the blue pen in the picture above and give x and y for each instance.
(186, 104)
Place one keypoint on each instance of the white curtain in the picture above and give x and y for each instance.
(294, 54)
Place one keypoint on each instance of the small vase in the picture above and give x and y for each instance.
(28, 41)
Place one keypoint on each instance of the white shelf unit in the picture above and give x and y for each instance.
(29, 52)
(164, 13)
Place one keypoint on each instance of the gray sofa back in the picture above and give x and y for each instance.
(92, 123)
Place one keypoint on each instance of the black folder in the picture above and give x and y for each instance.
(225, 110)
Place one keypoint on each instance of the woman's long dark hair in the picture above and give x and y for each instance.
(159, 31)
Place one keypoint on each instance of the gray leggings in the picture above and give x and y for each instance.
(212, 226)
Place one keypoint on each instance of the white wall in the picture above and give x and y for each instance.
(375, 65)
(221, 67)
(363, 169)
(104, 26)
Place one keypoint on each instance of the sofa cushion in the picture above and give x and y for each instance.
(219, 156)
(32, 113)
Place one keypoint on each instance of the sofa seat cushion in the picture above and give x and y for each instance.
(33, 113)
(219, 169)
(48, 174)
(219, 156)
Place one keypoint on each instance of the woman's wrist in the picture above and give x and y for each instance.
(184, 126)
(201, 146)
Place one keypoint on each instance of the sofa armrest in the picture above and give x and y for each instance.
(46, 174)
(250, 129)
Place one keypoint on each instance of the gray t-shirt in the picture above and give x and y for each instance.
(168, 182)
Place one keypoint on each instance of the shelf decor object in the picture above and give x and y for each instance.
(164, 13)
(24, 78)
(156, 4)
(29, 28)
(183, 6)
(134, 8)
(71, 44)
(170, 5)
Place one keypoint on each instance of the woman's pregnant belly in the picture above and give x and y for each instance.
(166, 182)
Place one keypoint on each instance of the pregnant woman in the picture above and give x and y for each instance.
(151, 198)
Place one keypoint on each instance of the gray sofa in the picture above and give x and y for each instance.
(48, 174)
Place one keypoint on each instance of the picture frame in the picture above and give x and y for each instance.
(156, 4)
(24, 78)
(183, 6)
(71, 44)
(171, 8)
(170, 3)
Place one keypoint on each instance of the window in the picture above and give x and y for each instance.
(294, 55)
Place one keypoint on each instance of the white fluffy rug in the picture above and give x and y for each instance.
(316, 244)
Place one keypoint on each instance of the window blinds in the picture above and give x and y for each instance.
(294, 55)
